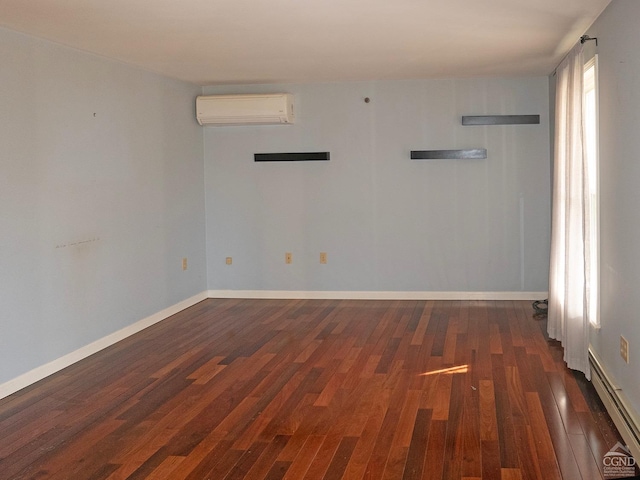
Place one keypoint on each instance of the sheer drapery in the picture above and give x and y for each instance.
(569, 269)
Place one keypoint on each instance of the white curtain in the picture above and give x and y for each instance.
(569, 273)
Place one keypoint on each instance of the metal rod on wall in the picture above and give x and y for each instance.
(586, 38)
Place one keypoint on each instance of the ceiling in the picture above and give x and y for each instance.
(209, 42)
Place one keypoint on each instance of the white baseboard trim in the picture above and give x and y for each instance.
(624, 417)
(50, 368)
(365, 295)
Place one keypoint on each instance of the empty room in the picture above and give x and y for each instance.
(319, 240)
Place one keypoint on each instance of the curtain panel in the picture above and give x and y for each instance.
(569, 268)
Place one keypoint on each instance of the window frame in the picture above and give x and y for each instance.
(593, 156)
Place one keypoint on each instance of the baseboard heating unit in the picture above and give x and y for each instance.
(622, 415)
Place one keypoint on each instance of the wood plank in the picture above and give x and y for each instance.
(565, 406)
(293, 389)
(490, 458)
(527, 452)
(302, 462)
(278, 471)
(326, 452)
(454, 441)
(364, 448)
(511, 474)
(423, 323)
(488, 420)
(471, 443)
(341, 458)
(267, 459)
(434, 459)
(516, 396)
(542, 438)
(587, 463)
(441, 403)
(414, 465)
(504, 414)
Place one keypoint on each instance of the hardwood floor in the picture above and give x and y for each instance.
(294, 389)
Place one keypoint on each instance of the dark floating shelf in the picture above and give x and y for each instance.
(291, 157)
(501, 120)
(470, 154)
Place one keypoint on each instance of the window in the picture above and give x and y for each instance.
(591, 155)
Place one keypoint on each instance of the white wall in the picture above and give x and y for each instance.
(387, 223)
(101, 195)
(619, 65)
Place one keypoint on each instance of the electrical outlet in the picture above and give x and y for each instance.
(184, 263)
(624, 349)
(229, 260)
(288, 258)
(323, 257)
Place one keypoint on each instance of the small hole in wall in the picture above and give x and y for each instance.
(367, 99)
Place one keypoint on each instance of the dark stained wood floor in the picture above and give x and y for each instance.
(296, 389)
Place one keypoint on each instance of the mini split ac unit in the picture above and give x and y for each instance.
(257, 109)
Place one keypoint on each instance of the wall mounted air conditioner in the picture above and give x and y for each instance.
(255, 109)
